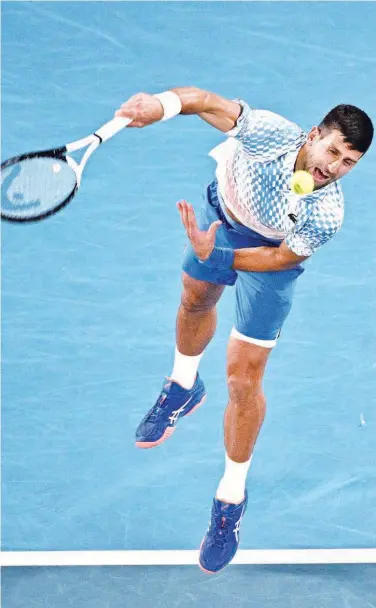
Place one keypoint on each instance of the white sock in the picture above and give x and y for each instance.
(185, 369)
(232, 485)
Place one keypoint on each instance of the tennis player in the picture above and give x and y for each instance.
(253, 233)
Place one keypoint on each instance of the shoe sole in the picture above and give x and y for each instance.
(199, 563)
(168, 432)
(202, 567)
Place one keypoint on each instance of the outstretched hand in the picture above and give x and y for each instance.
(202, 241)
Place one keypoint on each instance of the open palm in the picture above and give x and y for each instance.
(202, 241)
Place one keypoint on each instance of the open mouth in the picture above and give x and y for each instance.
(320, 176)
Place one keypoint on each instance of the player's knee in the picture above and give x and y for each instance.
(197, 297)
(192, 303)
(245, 370)
(241, 387)
(246, 396)
(245, 384)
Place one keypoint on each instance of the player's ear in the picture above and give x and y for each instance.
(313, 134)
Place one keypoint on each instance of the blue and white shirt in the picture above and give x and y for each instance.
(254, 171)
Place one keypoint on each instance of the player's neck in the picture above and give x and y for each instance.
(300, 162)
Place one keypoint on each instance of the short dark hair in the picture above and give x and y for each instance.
(354, 124)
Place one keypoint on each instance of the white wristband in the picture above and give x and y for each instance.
(171, 104)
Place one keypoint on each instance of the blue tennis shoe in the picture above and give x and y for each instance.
(173, 403)
(221, 541)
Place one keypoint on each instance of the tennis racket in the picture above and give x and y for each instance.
(38, 184)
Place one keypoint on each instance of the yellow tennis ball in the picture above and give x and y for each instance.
(302, 182)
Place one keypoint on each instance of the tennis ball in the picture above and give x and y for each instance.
(56, 168)
(302, 182)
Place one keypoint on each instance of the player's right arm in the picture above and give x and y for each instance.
(218, 111)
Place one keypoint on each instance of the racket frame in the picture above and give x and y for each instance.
(102, 134)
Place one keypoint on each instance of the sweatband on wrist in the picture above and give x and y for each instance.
(221, 258)
(171, 104)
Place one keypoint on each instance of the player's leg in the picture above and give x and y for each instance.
(263, 303)
(244, 414)
(195, 326)
(202, 288)
(243, 419)
(184, 390)
(197, 317)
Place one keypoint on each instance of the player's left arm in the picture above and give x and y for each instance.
(324, 222)
(256, 259)
(301, 243)
(266, 259)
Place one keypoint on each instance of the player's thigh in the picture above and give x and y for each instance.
(199, 295)
(263, 303)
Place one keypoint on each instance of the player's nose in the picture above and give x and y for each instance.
(333, 168)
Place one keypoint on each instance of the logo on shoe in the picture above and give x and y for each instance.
(237, 526)
(236, 529)
(176, 413)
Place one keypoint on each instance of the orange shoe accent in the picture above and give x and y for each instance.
(207, 571)
(151, 444)
(197, 406)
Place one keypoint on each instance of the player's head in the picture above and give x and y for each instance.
(335, 146)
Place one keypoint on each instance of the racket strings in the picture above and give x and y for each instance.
(33, 187)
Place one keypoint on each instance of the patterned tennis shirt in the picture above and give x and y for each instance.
(254, 170)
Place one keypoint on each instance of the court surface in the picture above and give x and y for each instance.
(89, 299)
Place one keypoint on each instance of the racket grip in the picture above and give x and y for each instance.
(111, 128)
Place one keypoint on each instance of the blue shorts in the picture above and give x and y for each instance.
(263, 299)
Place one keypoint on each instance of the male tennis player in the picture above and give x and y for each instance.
(254, 234)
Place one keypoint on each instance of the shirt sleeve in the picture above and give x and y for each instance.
(264, 133)
(322, 224)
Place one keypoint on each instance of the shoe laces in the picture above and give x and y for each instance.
(159, 405)
(222, 529)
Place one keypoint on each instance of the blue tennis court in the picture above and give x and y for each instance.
(89, 299)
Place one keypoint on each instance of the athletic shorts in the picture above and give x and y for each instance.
(263, 299)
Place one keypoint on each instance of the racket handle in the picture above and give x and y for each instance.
(111, 128)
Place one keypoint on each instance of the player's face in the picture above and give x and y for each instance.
(328, 156)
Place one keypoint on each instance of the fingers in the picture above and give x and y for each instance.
(192, 224)
(187, 217)
(202, 241)
(127, 114)
(213, 228)
(130, 108)
(126, 111)
(182, 206)
(180, 209)
(143, 109)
